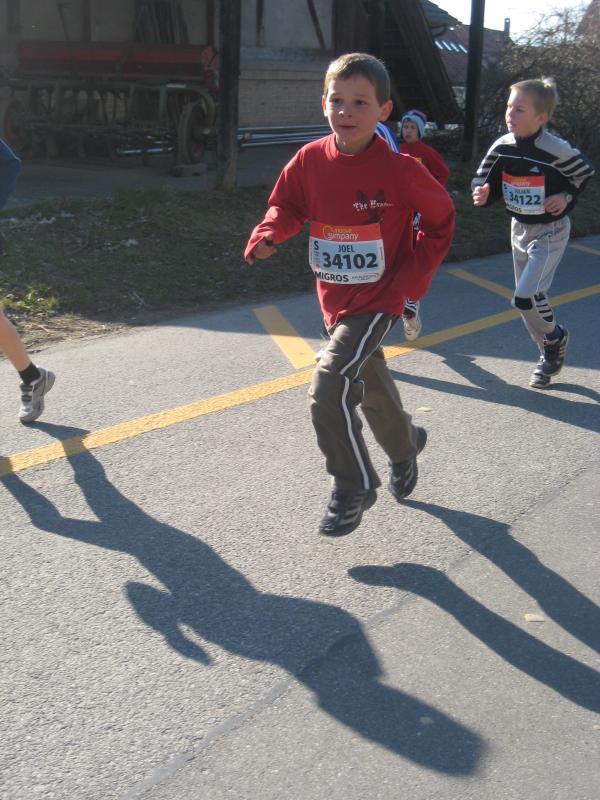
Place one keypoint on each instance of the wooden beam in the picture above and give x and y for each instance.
(210, 22)
(350, 27)
(376, 10)
(230, 14)
(13, 16)
(424, 56)
(86, 20)
(316, 24)
(469, 143)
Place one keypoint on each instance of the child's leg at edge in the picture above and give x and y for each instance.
(12, 346)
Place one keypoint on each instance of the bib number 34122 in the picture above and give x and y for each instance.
(524, 194)
(346, 254)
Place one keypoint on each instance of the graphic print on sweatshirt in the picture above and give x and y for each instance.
(374, 208)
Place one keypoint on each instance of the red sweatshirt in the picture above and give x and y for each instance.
(375, 190)
(429, 157)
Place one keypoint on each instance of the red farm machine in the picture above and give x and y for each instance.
(112, 99)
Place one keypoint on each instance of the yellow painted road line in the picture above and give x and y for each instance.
(164, 419)
(485, 284)
(298, 352)
(394, 350)
(153, 422)
(585, 249)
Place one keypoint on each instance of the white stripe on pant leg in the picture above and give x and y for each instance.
(353, 442)
(553, 239)
(347, 384)
(362, 342)
(541, 275)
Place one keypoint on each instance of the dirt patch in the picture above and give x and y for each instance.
(38, 334)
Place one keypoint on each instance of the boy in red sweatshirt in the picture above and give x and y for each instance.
(412, 131)
(359, 197)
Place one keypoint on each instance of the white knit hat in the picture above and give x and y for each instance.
(418, 117)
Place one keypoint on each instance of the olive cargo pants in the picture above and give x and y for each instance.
(352, 372)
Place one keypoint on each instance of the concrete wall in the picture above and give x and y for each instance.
(275, 95)
(282, 65)
(286, 24)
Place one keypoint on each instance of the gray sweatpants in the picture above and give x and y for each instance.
(353, 371)
(537, 251)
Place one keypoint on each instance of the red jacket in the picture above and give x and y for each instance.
(429, 158)
(321, 184)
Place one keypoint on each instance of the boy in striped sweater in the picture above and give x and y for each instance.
(539, 177)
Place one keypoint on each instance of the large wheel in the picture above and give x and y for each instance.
(195, 125)
(13, 125)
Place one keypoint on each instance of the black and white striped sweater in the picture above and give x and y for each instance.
(542, 160)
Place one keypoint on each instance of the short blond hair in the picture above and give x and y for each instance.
(363, 64)
(542, 91)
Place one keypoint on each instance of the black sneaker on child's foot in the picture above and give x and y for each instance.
(345, 510)
(551, 362)
(404, 474)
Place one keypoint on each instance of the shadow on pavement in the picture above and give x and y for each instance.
(561, 601)
(493, 389)
(322, 646)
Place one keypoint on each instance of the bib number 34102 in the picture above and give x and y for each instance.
(346, 254)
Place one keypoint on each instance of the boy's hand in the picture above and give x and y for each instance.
(555, 204)
(481, 194)
(264, 249)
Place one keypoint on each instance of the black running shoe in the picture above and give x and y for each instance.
(404, 474)
(345, 510)
(551, 362)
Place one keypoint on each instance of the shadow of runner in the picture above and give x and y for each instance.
(573, 680)
(561, 601)
(219, 604)
(492, 389)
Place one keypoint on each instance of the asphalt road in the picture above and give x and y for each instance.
(173, 627)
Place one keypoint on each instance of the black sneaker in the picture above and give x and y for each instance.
(404, 474)
(551, 362)
(345, 510)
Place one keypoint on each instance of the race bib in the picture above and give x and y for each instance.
(346, 254)
(524, 194)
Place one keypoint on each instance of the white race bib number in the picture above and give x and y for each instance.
(524, 194)
(346, 254)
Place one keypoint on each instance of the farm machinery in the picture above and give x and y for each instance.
(112, 99)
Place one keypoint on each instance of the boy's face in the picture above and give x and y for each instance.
(522, 118)
(353, 110)
(410, 132)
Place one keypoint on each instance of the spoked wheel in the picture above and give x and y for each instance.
(15, 134)
(195, 126)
